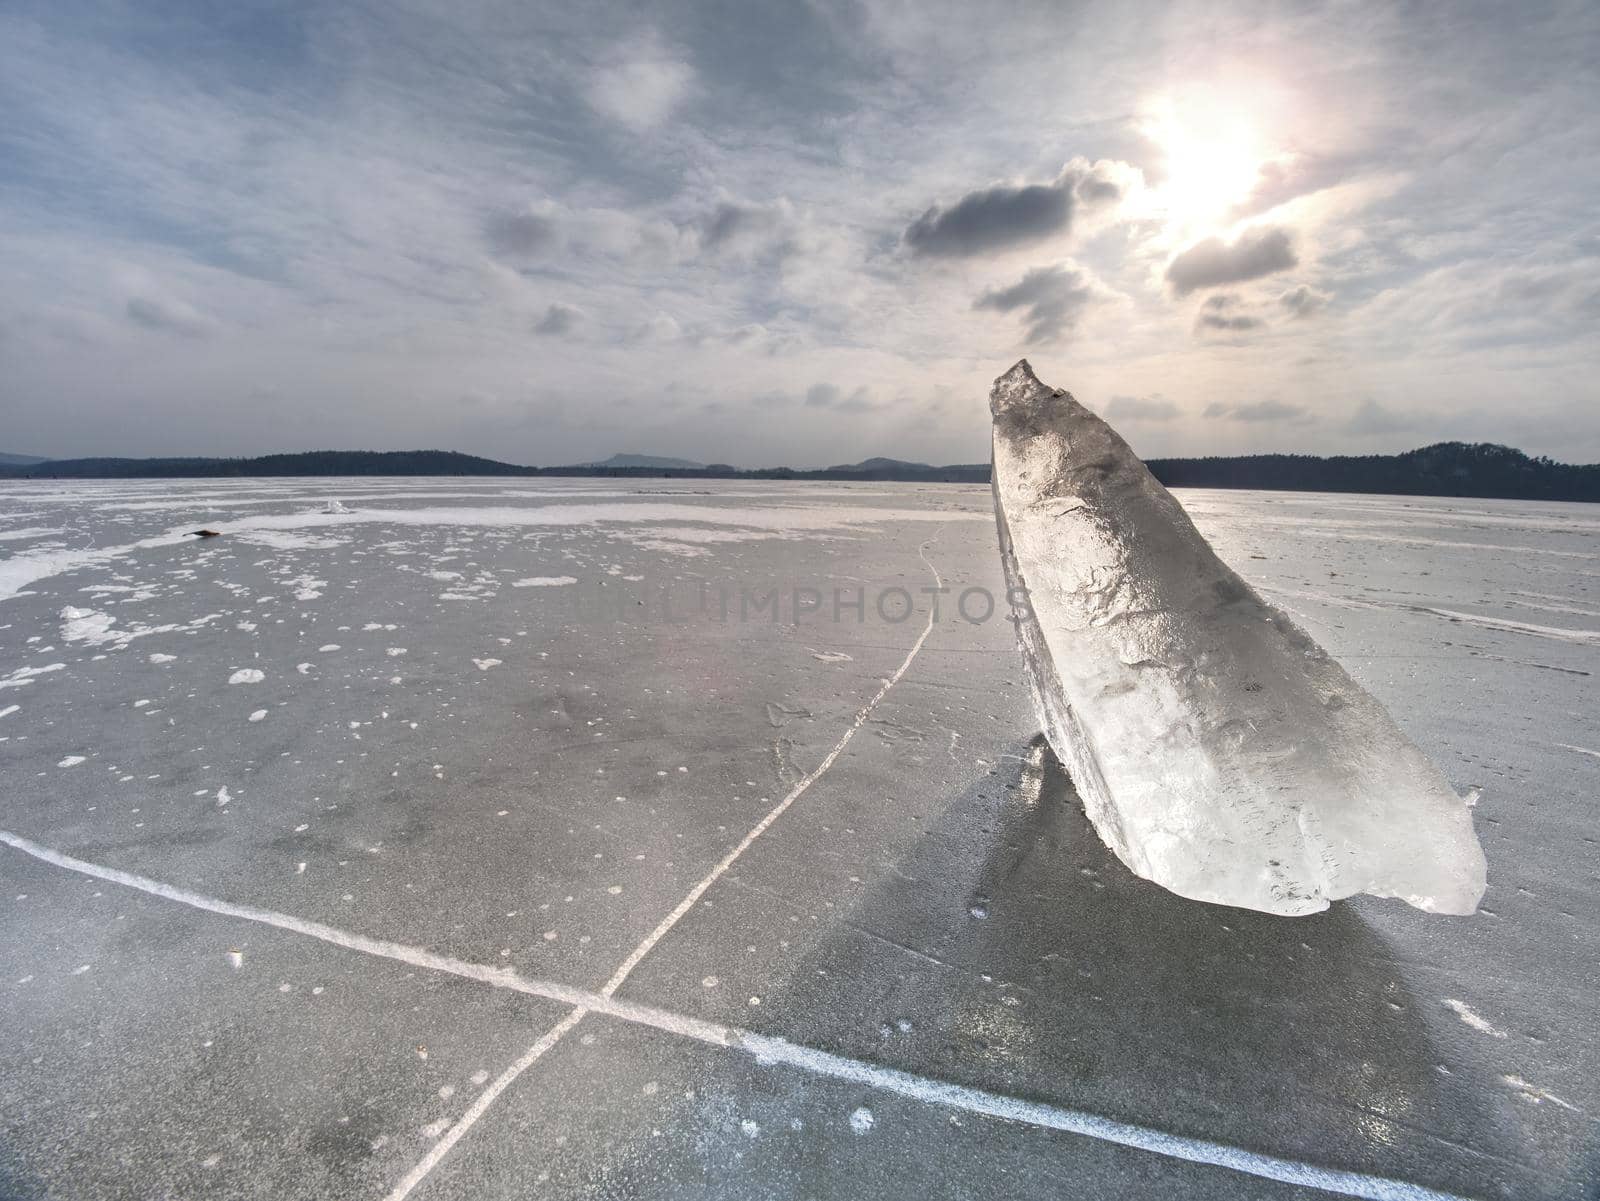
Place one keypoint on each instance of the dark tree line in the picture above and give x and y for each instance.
(1445, 469)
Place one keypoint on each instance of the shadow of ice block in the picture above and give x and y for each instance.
(1030, 961)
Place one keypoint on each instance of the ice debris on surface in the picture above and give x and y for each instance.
(1219, 751)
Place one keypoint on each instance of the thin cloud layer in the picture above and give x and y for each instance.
(1259, 412)
(640, 86)
(1142, 408)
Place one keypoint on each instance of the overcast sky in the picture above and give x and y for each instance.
(798, 233)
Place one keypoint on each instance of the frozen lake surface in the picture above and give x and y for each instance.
(510, 838)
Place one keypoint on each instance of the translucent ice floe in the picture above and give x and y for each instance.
(1219, 751)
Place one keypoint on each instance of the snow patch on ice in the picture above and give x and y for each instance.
(23, 676)
(86, 625)
(32, 531)
(286, 540)
(544, 581)
(289, 530)
(1537, 1096)
(1505, 625)
(1479, 1023)
(95, 628)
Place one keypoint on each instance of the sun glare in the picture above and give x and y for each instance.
(1212, 152)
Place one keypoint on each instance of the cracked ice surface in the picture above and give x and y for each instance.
(1219, 751)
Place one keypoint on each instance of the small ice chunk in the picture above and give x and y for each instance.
(485, 664)
(1218, 750)
(247, 675)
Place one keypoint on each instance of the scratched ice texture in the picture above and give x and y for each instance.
(456, 728)
(1219, 750)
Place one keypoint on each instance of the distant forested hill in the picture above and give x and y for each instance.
(311, 462)
(1445, 469)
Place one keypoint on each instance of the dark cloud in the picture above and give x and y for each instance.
(1224, 312)
(1054, 297)
(991, 219)
(745, 229)
(1303, 301)
(1099, 184)
(727, 220)
(823, 396)
(1213, 262)
(1259, 411)
(1142, 408)
(559, 319)
(519, 235)
(1005, 215)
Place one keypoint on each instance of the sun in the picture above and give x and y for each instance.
(1213, 151)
